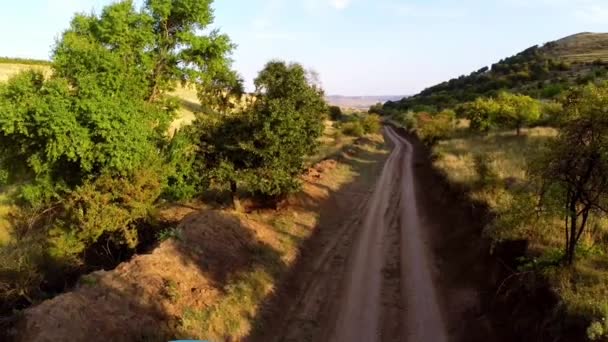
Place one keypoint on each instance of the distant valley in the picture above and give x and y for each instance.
(360, 102)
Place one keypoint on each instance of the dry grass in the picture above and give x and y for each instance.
(583, 287)
(583, 47)
(233, 315)
(505, 154)
(188, 109)
(331, 142)
(6, 207)
(9, 69)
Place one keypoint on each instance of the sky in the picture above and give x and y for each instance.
(358, 47)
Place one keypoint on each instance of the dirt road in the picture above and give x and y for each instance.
(376, 276)
(393, 203)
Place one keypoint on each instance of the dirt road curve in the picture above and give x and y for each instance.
(360, 310)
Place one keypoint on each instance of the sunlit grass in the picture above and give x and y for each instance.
(583, 288)
(5, 226)
(284, 232)
(7, 70)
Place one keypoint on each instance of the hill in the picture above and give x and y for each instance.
(539, 71)
(581, 47)
(359, 102)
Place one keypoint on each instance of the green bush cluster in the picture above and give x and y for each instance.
(361, 125)
(507, 110)
(434, 127)
(353, 128)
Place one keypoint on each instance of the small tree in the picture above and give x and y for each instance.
(433, 127)
(378, 108)
(574, 171)
(480, 113)
(262, 149)
(516, 110)
(335, 113)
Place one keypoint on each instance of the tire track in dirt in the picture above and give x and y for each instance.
(373, 307)
(360, 305)
(423, 321)
(373, 279)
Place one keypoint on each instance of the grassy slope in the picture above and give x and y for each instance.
(583, 47)
(505, 156)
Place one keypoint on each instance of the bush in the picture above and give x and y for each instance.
(432, 128)
(20, 272)
(111, 206)
(371, 123)
(378, 109)
(335, 113)
(353, 128)
(407, 119)
(480, 113)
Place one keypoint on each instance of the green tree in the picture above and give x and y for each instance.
(287, 122)
(433, 127)
(480, 113)
(181, 53)
(516, 110)
(89, 146)
(378, 108)
(335, 113)
(262, 150)
(574, 170)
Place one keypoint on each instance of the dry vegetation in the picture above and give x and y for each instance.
(493, 169)
(582, 47)
(9, 69)
(211, 276)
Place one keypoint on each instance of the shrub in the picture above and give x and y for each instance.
(353, 128)
(378, 109)
(20, 271)
(407, 119)
(480, 113)
(516, 110)
(110, 206)
(432, 128)
(335, 113)
(371, 123)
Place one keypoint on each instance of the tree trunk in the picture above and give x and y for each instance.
(571, 242)
(518, 129)
(236, 203)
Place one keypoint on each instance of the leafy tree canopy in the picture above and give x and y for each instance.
(263, 148)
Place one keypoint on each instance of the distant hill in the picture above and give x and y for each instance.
(581, 47)
(359, 102)
(539, 71)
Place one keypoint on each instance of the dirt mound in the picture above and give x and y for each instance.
(148, 297)
(145, 297)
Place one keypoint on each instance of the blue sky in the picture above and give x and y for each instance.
(358, 47)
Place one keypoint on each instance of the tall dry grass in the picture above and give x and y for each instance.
(494, 169)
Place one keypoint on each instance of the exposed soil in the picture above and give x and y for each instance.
(394, 256)
(145, 299)
(406, 265)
